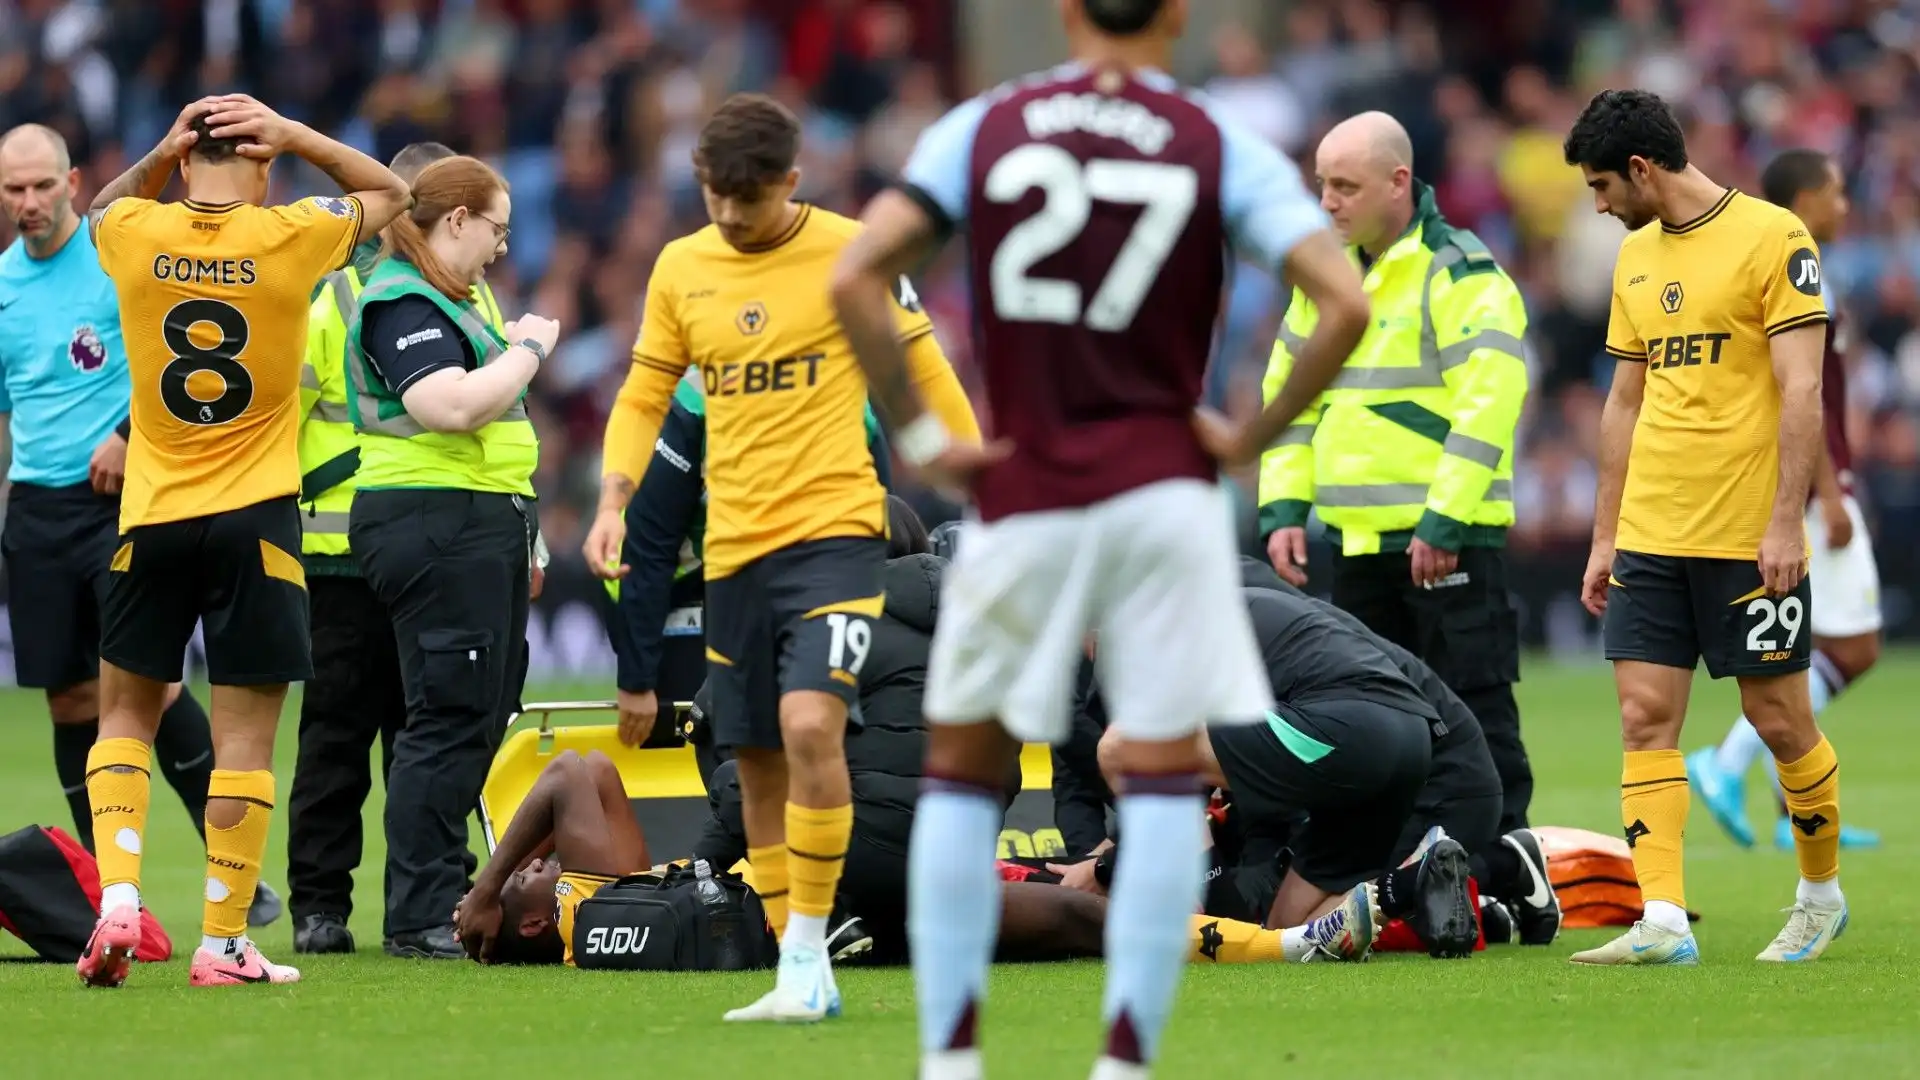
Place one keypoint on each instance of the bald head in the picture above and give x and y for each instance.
(1371, 137)
(1365, 167)
(37, 185)
(35, 143)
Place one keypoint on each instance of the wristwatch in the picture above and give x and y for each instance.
(538, 350)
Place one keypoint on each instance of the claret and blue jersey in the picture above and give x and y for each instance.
(1098, 208)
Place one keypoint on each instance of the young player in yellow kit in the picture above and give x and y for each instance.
(796, 516)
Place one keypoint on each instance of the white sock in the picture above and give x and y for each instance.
(951, 1065)
(1158, 882)
(1294, 944)
(229, 947)
(1667, 916)
(120, 894)
(809, 931)
(1111, 1069)
(953, 915)
(1824, 894)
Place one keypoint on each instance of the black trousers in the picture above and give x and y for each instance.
(1467, 632)
(452, 569)
(355, 697)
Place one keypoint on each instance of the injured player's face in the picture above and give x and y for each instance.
(528, 932)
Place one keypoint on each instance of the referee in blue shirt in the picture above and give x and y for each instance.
(63, 398)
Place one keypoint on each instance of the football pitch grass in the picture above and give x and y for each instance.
(1507, 1012)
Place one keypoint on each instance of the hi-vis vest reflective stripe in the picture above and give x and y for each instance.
(329, 448)
(1415, 435)
(395, 450)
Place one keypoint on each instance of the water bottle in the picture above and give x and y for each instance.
(707, 889)
(723, 923)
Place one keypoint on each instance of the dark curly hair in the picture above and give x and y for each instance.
(1621, 124)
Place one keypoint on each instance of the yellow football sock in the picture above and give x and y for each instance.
(770, 878)
(1653, 807)
(816, 852)
(1812, 786)
(1225, 941)
(234, 854)
(119, 783)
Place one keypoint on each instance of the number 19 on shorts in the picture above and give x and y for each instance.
(1770, 619)
(851, 637)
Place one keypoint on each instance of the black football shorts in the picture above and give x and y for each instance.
(801, 618)
(1673, 610)
(237, 572)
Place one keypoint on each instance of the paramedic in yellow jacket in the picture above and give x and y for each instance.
(355, 695)
(1408, 456)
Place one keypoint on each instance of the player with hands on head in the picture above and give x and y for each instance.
(1098, 500)
(214, 292)
(63, 409)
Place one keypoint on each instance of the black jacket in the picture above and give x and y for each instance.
(1080, 793)
(1459, 745)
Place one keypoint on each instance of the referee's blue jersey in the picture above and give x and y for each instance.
(63, 367)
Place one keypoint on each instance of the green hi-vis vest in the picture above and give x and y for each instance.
(395, 450)
(329, 446)
(1415, 436)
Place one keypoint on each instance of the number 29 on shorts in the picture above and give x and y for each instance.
(1769, 617)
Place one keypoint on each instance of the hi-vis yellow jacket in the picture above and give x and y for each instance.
(1415, 436)
(329, 447)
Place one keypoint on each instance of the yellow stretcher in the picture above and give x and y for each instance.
(667, 780)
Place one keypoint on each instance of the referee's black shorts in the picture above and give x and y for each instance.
(237, 573)
(57, 544)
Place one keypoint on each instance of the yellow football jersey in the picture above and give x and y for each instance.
(1696, 303)
(213, 306)
(787, 457)
(569, 893)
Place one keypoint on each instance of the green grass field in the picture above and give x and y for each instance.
(1507, 1012)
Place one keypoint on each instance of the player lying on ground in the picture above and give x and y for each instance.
(1844, 618)
(1097, 200)
(1462, 785)
(210, 531)
(574, 834)
(63, 410)
(1707, 448)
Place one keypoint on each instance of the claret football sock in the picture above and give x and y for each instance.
(119, 785)
(953, 918)
(1158, 882)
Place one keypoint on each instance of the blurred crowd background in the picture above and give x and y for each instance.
(590, 109)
